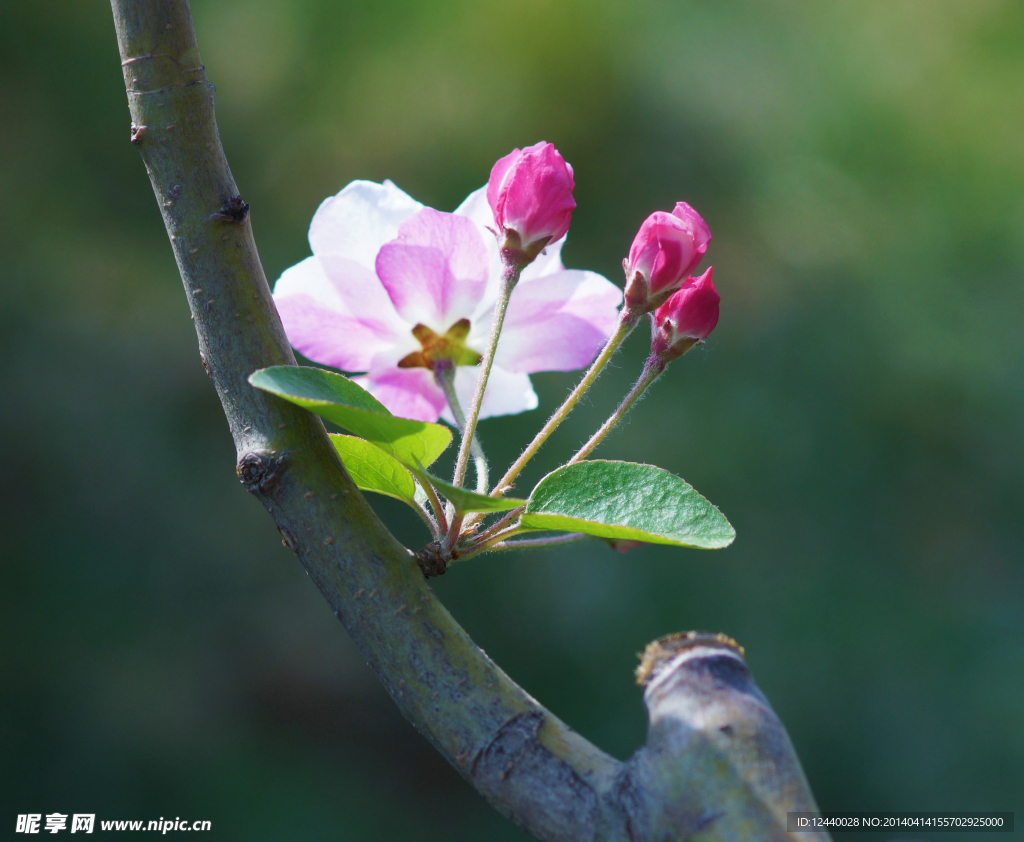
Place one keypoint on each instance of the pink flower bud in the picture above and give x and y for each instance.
(667, 248)
(623, 545)
(530, 194)
(688, 317)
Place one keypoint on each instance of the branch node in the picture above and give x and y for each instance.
(432, 560)
(260, 471)
(234, 209)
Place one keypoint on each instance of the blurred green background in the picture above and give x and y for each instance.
(857, 414)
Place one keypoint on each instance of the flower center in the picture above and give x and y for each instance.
(438, 349)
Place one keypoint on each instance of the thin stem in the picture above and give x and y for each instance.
(427, 518)
(537, 543)
(445, 376)
(498, 525)
(627, 321)
(500, 543)
(652, 371)
(435, 504)
(508, 282)
(484, 546)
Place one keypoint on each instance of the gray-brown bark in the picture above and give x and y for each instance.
(523, 759)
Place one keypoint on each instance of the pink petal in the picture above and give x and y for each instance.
(362, 292)
(359, 220)
(436, 271)
(475, 207)
(321, 325)
(558, 323)
(669, 246)
(494, 183)
(692, 312)
(406, 392)
(530, 192)
(696, 223)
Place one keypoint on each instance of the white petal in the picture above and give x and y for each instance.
(476, 208)
(308, 278)
(359, 220)
(558, 322)
(547, 262)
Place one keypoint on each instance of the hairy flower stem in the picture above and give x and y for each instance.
(435, 504)
(509, 279)
(496, 527)
(527, 544)
(653, 368)
(444, 373)
(495, 537)
(427, 518)
(628, 320)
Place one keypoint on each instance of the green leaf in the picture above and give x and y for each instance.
(372, 469)
(464, 500)
(626, 500)
(348, 405)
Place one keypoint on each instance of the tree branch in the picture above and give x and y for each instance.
(523, 759)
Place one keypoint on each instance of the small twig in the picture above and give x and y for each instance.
(485, 546)
(496, 527)
(538, 543)
(501, 543)
(427, 518)
(509, 280)
(444, 373)
(436, 505)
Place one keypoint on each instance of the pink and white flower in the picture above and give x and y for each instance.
(393, 286)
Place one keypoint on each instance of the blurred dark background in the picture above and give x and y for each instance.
(857, 414)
